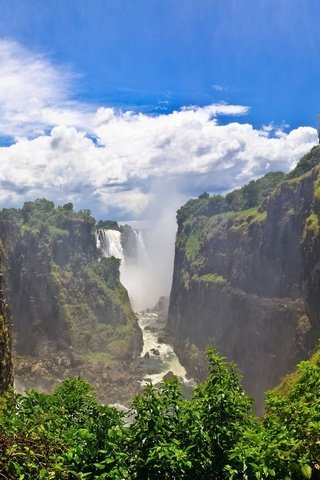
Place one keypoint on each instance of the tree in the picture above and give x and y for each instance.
(68, 207)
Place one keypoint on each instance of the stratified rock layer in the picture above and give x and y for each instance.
(249, 282)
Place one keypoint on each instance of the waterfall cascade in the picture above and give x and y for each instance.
(142, 254)
(158, 357)
(130, 248)
(109, 241)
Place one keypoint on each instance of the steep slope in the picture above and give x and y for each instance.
(71, 314)
(6, 374)
(248, 281)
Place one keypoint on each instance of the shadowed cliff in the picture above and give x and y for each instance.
(246, 276)
(6, 373)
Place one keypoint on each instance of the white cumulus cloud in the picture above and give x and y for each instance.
(109, 160)
(34, 94)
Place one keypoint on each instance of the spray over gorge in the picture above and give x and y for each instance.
(136, 273)
(74, 318)
(74, 285)
(159, 240)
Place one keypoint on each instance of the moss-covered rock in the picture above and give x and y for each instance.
(65, 300)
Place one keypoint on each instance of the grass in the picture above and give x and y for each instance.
(210, 278)
(290, 380)
(242, 221)
(193, 246)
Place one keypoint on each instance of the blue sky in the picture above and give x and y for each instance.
(141, 53)
(72, 70)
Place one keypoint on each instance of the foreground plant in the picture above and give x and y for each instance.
(68, 435)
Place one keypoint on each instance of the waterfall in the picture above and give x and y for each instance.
(132, 269)
(137, 273)
(142, 254)
(158, 357)
(136, 276)
(109, 241)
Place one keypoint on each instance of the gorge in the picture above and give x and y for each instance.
(159, 240)
(246, 279)
(158, 359)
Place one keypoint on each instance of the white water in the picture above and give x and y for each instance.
(134, 273)
(158, 358)
(135, 276)
(109, 241)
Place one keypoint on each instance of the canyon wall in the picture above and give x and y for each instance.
(72, 316)
(6, 371)
(248, 281)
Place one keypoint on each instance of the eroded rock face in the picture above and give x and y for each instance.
(249, 282)
(70, 310)
(6, 376)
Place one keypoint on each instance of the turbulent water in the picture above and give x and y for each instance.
(158, 357)
(109, 241)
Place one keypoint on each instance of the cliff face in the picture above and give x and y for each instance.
(249, 281)
(71, 314)
(6, 375)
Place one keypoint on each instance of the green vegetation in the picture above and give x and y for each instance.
(192, 246)
(294, 378)
(317, 195)
(307, 163)
(312, 224)
(242, 220)
(249, 196)
(200, 218)
(207, 222)
(108, 225)
(68, 435)
(95, 307)
(76, 296)
(210, 278)
(185, 276)
(6, 373)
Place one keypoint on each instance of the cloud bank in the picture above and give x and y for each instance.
(115, 162)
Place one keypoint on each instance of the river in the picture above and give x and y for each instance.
(158, 357)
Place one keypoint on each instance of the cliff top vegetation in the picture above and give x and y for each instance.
(251, 195)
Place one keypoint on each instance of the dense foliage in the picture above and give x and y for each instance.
(249, 196)
(68, 435)
(108, 224)
(306, 163)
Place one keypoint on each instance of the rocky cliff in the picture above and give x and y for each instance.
(248, 280)
(6, 374)
(71, 314)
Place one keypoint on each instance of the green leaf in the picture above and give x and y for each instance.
(306, 471)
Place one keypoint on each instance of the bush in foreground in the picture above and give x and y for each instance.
(68, 435)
